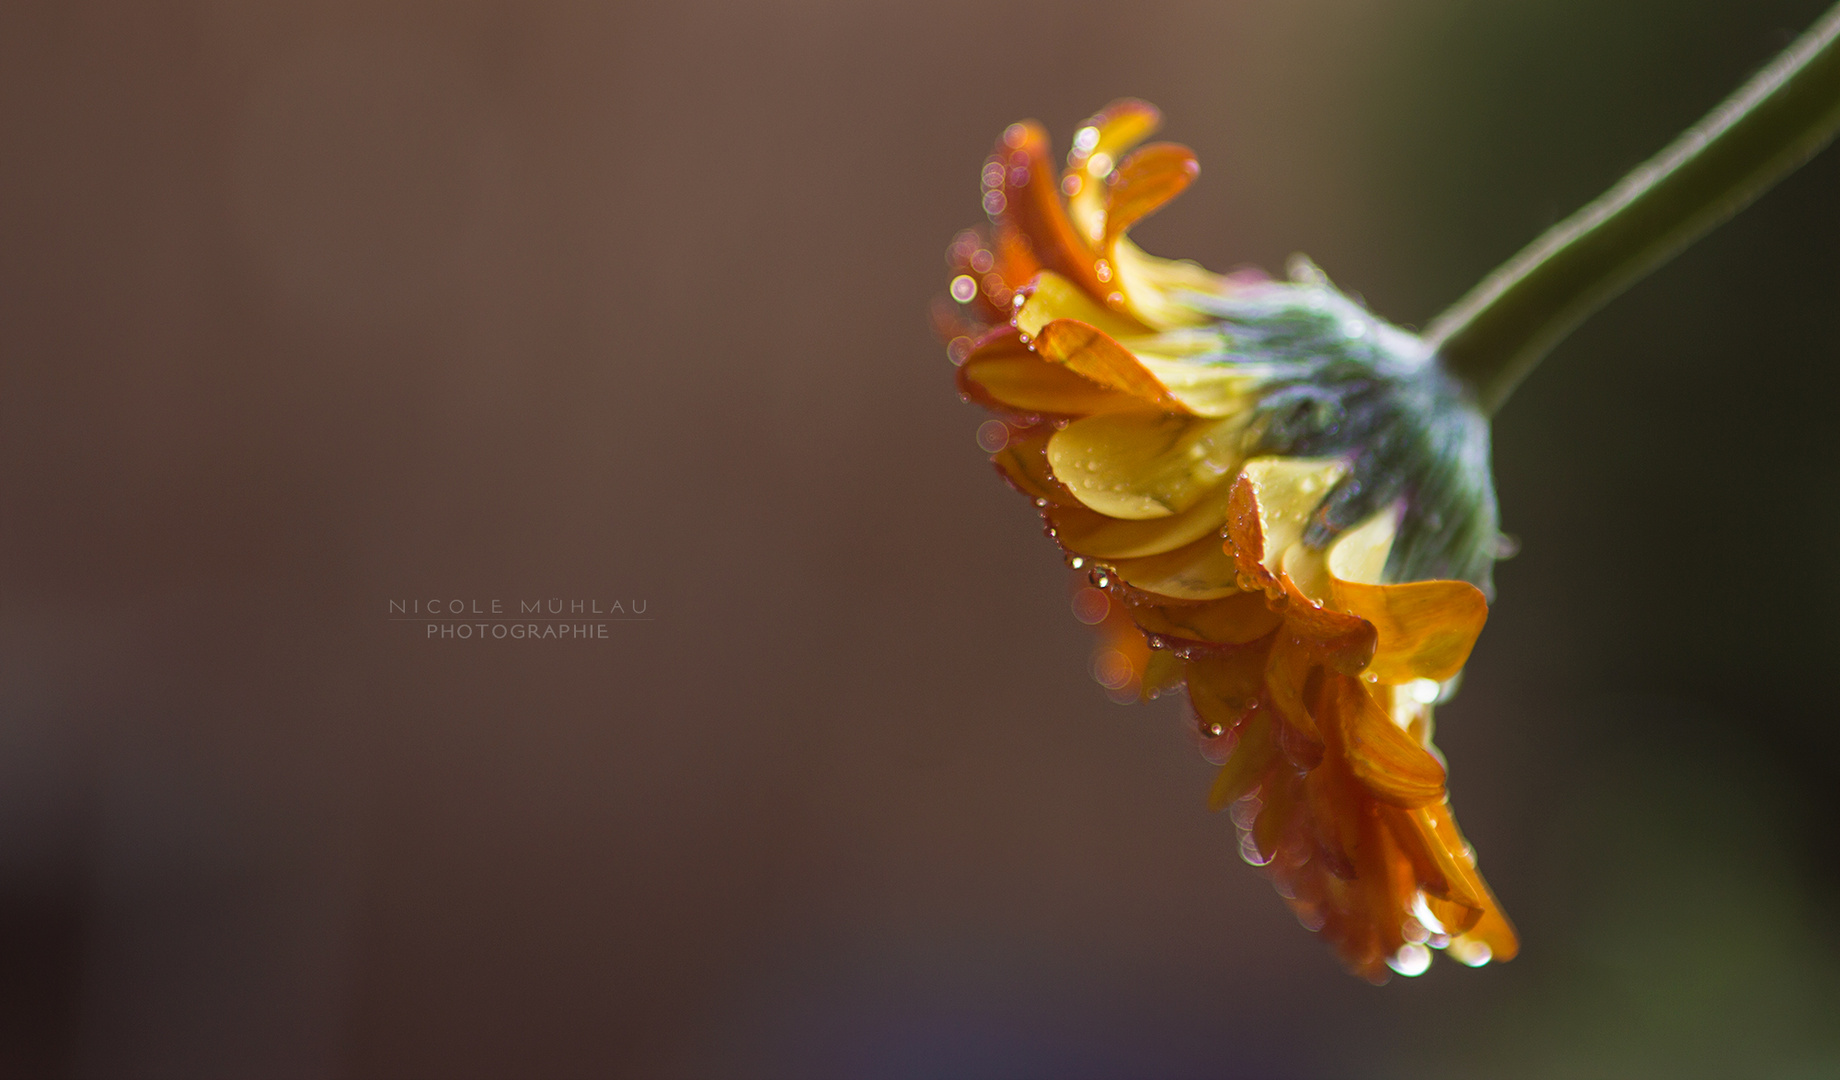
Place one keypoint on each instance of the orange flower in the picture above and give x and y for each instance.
(1264, 484)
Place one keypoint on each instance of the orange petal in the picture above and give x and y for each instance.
(1006, 377)
(1251, 760)
(1286, 674)
(1097, 146)
(1028, 196)
(1335, 813)
(1231, 620)
(1023, 461)
(1425, 628)
(1388, 762)
(1143, 183)
(1445, 870)
(1094, 354)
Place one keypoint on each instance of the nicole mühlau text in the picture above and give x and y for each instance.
(552, 618)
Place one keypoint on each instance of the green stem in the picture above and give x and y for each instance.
(1495, 335)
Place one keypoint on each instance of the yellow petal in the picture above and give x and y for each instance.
(1286, 492)
(1139, 465)
(1088, 532)
(1099, 144)
(1201, 387)
(1199, 571)
(1052, 297)
(1152, 287)
(1360, 554)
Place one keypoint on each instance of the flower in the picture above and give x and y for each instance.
(1280, 502)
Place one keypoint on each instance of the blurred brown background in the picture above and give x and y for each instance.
(305, 308)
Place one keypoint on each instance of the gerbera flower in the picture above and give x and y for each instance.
(1279, 502)
(1283, 503)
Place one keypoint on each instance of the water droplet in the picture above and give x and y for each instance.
(1411, 960)
(993, 435)
(964, 288)
(982, 261)
(993, 174)
(1075, 562)
(959, 350)
(1102, 270)
(1041, 503)
(1099, 166)
(994, 202)
(1071, 185)
(1471, 952)
(1085, 139)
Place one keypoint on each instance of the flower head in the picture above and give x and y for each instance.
(1285, 505)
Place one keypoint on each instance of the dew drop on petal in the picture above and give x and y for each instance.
(994, 202)
(1074, 562)
(1473, 953)
(964, 288)
(1099, 165)
(992, 435)
(1424, 691)
(1411, 960)
(1085, 139)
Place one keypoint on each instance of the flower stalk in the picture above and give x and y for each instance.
(1491, 338)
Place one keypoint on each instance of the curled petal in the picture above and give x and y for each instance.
(1028, 197)
(1270, 508)
(1088, 532)
(1251, 761)
(1143, 183)
(1287, 675)
(1232, 620)
(1139, 465)
(1096, 355)
(1004, 375)
(1023, 461)
(1198, 571)
(1425, 628)
(1390, 764)
(1101, 142)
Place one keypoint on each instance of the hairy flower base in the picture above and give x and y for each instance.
(1258, 478)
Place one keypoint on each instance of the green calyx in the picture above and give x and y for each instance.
(1335, 381)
